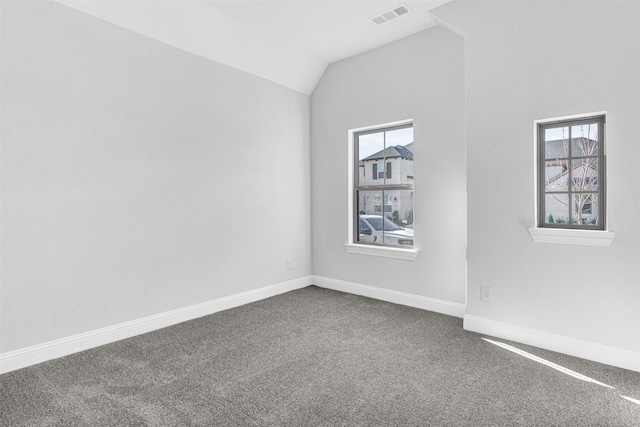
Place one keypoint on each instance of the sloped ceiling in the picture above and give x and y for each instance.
(289, 42)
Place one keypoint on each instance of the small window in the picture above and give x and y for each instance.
(384, 205)
(571, 162)
(379, 171)
(587, 209)
(378, 202)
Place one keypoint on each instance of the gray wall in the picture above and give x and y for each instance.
(420, 77)
(137, 178)
(538, 60)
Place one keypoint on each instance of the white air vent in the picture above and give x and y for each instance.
(390, 15)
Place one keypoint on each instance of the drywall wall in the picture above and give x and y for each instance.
(137, 178)
(421, 78)
(536, 60)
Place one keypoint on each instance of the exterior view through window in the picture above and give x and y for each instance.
(383, 190)
(571, 174)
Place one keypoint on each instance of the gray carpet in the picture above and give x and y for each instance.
(316, 357)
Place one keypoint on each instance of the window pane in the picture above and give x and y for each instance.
(556, 142)
(400, 155)
(585, 139)
(585, 209)
(394, 226)
(385, 157)
(556, 176)
(556, 209)
(384, 160)
(369, 206)
(584, 174)
(370, 151)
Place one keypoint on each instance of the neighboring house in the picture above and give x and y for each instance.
(393, 165)
(584, 178)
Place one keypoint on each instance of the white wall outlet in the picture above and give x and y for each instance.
(289, 263)
(486, 294)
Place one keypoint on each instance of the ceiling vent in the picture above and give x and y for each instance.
(390, 15)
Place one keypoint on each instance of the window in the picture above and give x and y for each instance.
(379, 169)
(587, 208)
(571, 167)
(378, 202)
(383, 200)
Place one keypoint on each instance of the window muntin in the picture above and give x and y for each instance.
(383, 186)
(571, 174)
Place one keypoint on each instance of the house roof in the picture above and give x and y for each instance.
(403, 151)
(560, 148)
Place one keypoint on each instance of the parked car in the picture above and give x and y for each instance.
(371, 231)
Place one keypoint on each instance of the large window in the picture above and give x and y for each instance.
(383, 186)
(571, 166)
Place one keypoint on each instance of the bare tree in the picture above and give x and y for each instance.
(365, 197)
(585, 175)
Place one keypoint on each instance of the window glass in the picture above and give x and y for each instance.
(369, 146)
(571, 174)
(383, 191)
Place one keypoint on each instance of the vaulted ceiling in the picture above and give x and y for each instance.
(290, 42)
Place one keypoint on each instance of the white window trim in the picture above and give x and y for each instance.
(370, 250)
(572, 237)
(563, 235)
(382, 251)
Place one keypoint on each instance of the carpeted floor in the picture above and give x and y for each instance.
(316, 357)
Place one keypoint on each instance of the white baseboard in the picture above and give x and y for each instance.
(22, 358)
(396, 297)
(574, 347)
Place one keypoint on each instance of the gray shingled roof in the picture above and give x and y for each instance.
(560, 148)
(404, 151)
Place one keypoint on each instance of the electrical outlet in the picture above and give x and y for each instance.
(289, 263)
(485, 293)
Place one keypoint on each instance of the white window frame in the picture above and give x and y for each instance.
(565, 235)
(407, 254)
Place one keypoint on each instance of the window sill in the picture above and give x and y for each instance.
(572, 237)
(397, 253)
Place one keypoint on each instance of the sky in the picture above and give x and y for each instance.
(588, 131)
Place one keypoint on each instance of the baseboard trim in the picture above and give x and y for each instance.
(574, 347)
(39, 353)
(10, 361)
(396, 297)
